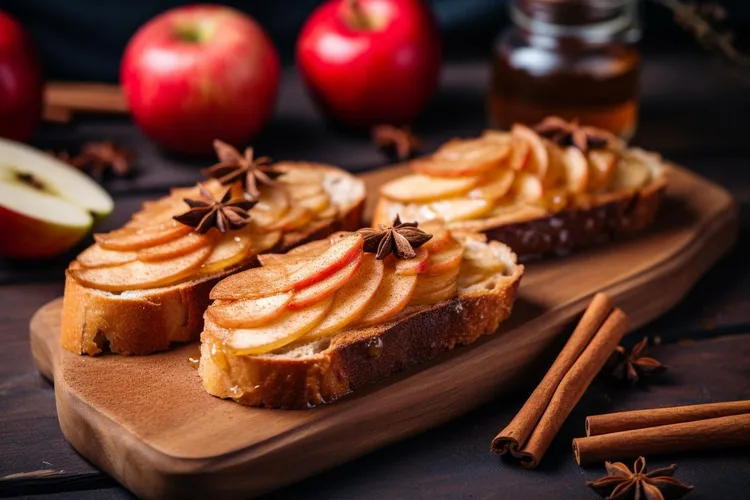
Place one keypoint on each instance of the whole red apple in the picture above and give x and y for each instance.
(198, 73)
(370, 61)
(20, 81)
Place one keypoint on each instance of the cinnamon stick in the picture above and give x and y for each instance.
(699, 435)
(518, 431)
(628, 420)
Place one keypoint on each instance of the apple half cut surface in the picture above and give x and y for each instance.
(45, 205)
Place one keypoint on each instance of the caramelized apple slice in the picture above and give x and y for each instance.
(495, 187)
(630, 175)
(295, 176)
(272, 206)
(350, 300)
(424, 188)
(392, 296)
(315, 204)
(96, 256)
(325, 287)
(576, 170)
(228, 251)
(331, 212)
(295, 218)
(519, 155)
(460, 158)
(454, 209)
(601, 168)
(138, 275)
(445, 260)
(261, 242)
(135, 239)
(316, 247)
(246, 313)
(415, 265)
(432, 289)
(528, 188)
(300, 191)
(538, 158)
(287, 328)
(182, 245)
(441, 238)
(338, 255)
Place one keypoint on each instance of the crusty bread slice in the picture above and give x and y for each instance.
(301, 376)
(141, 322)
(533, 232)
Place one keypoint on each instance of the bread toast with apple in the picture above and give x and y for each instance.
(329, 317)
(145, 286)
(547, 190)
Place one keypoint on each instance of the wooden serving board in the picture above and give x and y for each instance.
(148, 422)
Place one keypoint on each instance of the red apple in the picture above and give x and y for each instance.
(20, 81)
(197, 73)
(370, 61)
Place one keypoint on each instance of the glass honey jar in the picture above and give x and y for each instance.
(577, 59)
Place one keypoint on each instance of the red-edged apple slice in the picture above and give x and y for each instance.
(528, 188)
(602, 168)
(576, 170)
(314, 246)
(460, 158)
(325, 287)
(538, 159)
(415, 265)
(182, 245)
(136, 239)
(228, 251)
(441, 238)
(247, 313)
(455, 209)
(338, 255)
(392, 296)
(352, 299)
(287, 328)
(272, 206)
(424, 188)
(495, 187)
(447, 259)
(519, 154)
(138, 275)
(96, 256)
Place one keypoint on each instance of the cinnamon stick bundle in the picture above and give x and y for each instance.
(530, 433)
(708, 434)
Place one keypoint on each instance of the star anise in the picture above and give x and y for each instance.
(233, 167)
(622, 484)
(571, 134)
(401, 239)
(98, 158)
(634, 365)
(397, 143)
(206, 212)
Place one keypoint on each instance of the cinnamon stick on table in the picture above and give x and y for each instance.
(530, 433)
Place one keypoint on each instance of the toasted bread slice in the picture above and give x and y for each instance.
(307, 373)
(553, 202)
(145, 321)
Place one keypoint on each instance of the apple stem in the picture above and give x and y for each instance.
(360, 19)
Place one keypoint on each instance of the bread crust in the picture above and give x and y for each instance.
(355, 358)
(149, 321)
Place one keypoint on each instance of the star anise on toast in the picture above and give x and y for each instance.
(571, 133)
(398, 143)
(622, 484)
(234, 166)
(225, 214)
(400, 239)
(634, 365)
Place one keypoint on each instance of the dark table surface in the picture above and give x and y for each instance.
(693, 112)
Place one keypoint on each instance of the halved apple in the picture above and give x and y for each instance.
(576, 170)
(528, 188)
(420, 187)
(325, 287)
(136, 239)
(96, 256)
(463, 157)
(137, 275)
(180, 246)
(228, 251)
(494, 188)
(287, 328)
(272, 205)
(601, 167)
(415, 265)
(246, 313)
(391, 297)
(454, 209)
(352, 299)
(538, 158)
(447, 259)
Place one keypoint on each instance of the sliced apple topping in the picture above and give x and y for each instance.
(96, 256)
(316, 203)
(287, 328)
(424, 188)
(352, 299)
(326, 286)
(272, 205)
(182, 245)
(576, 170)
(528, 188)
(447, 259)
(246, 313)
(538, 159)
(135, 239)
(264, 241)
(338, 255)
(602, 168)
(137, 274)
(455, 209)
(415, 265)
(460, 158)
(229, 250)
(300, 191)
(519, 156)
(391, 297)
(630, 174)
(494, 188)
(435, 288)
(295, 218)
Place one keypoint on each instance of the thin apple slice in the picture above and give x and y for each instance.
(538, 159)
(420, 187)
(331, 212)
(300, 175)
(528, 188)
(182, 245)
(136, 239)
(352, 299)
(601, 168)
(287, 328)
(295, 218)
(138, 275)
(460, 158)
(519, 155)
(391, 297)
(228, 251)
(432, 289)
(315, 246)
(272, 206)
(262, 242)
(445, 260)
(494, 188)
(247, 313)
(416, 265)
(325, 287)
(630, 174)
(96, 256)
(455, 209)
(576, 170)
(441, 238)
(509, 213)
(338, 255)
(316, 203)
(290, 259)
(300, 191)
